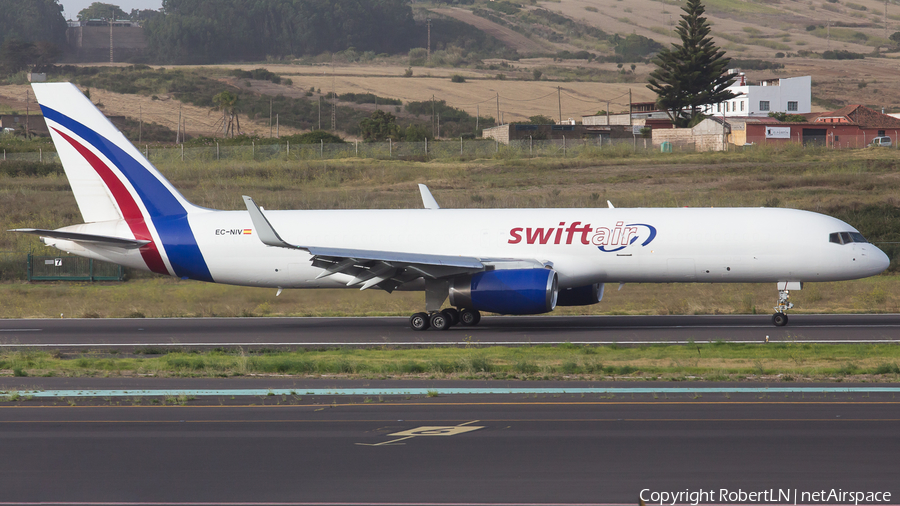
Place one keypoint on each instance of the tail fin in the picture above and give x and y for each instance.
(112, 180)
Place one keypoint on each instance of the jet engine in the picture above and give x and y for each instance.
(507, 291)
(581, 295)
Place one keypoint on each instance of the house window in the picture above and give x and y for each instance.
(718, 107)
(792, 106)
(881, 133)
(763, 105)
(726, 106)
(742, 106)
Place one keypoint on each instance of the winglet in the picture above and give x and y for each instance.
(427, 199)
(264, 229)
(610, 205)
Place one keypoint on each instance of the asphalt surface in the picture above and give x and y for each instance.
(486, 449)
(492, 330)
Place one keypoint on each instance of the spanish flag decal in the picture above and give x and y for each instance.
(248, 231)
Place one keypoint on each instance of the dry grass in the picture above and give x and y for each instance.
(165, 297)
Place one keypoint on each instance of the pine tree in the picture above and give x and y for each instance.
(690, 75)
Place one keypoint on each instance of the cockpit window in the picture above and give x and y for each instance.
(846, 237)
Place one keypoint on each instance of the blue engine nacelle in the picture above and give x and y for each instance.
(507, 291)
(581, 295)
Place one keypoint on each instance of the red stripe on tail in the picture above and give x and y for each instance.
(130, 210)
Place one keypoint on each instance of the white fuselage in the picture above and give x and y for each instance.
(584, 246)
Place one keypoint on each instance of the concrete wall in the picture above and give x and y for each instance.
(91, 43)
(498, 133)
(707, 136)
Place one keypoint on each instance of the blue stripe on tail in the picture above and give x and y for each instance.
(166, 212)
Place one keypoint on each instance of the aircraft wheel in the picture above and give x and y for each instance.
(440, 321)
(419, 321)
(452, 314)
(780, 319)
(469, 317)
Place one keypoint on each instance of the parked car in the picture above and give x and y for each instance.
(884, 142)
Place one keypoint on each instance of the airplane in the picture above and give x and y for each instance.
(505, 261)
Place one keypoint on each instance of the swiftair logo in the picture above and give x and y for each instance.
(606, 239)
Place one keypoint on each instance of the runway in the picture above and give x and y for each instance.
(451, 450)
(499, 330)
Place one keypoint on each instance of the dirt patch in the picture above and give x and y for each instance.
(511, 38)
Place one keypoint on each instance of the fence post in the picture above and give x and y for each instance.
(321, 148)
(460, 147)
(41, 155)
(147, 152)
(182, 152)
(253, 144)
(531, 146)
(217, 150)
(91, 268)
(497, 147)
(356, 144)
(390, 148)
(564, 146)
(4, 154)
(289, 150)
(426, 146)
(29, 272)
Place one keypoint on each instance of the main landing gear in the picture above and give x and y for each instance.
(443, 320)
(780, 318)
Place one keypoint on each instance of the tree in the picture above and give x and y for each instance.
(895, 37)
(32, 21)
(100, 10)
(227, 103)
(690, 75)
(380, 126)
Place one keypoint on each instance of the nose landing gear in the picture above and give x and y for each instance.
(780, 318)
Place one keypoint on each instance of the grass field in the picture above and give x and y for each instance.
(708, 362)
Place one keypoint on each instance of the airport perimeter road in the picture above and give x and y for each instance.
(449, 450)
(492, 330)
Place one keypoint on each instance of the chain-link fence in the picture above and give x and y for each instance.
(69, 268)
(461, 148)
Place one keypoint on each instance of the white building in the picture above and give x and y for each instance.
(792, 95)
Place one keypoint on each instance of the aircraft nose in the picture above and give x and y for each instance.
(878, 260)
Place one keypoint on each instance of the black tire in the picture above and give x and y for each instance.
(453, 314)
(779, 319)
(469, 317)
(440, 321)
(419, 321)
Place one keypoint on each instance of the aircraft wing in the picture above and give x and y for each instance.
(370, 268)
(105, 240)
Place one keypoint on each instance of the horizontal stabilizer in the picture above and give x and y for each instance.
(105, 240)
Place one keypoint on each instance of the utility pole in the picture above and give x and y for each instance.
(110, 39)
(477, 116)
(178, 137)
(320, 112)
(498, 107)
(141, 123)
(559, 103)
(607, 112)
(432, 116)
(27, 112)
(629, 107)
(333, 98)
(270, 117)
(428, 54)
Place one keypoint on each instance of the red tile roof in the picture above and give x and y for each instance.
(862, 116)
